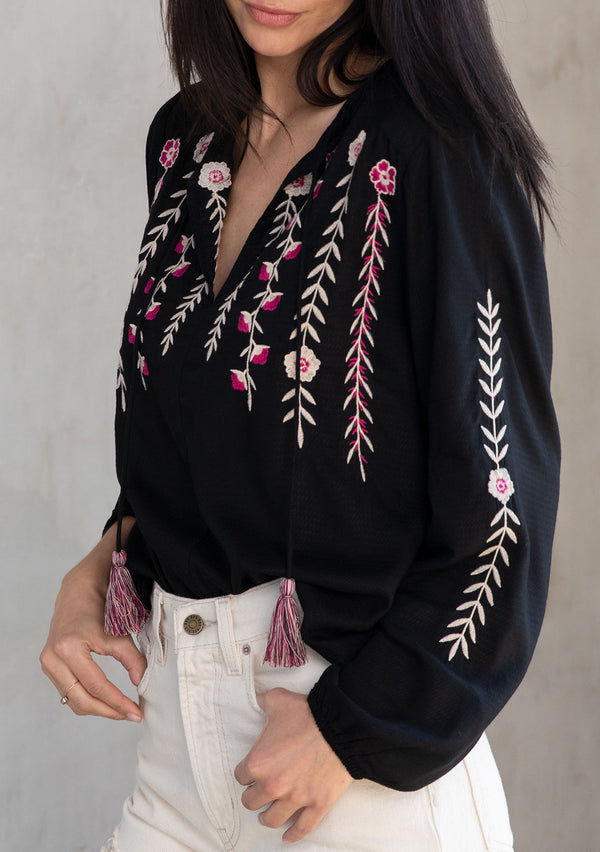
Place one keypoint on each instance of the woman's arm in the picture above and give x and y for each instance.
(461, 630)
(77, 631)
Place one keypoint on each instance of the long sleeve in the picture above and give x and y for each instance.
(154, 141)
(466, 615)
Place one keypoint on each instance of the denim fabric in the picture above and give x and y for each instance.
(201, 717)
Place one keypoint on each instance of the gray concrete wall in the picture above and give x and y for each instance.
(79, 83)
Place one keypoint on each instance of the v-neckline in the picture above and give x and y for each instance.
(220, 153)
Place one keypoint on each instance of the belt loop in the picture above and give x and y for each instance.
(227, 636)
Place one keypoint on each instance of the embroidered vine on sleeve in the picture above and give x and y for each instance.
(500, 486)
(315, 293)
(121, 386)
(383, 178)
(167, 158)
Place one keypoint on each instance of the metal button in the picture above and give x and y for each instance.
(246, 649)
(193, 625)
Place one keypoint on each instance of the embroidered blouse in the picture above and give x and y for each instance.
(406, 474)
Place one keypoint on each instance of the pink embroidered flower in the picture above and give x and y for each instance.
(215, 176)
(309, 364)
(300, 186)
(152, 311)
(238, 380)
(265, 271)
(144, 366)
(181, 270)
(131, 333)
(169, 153)
(294, 251)
(202, 147)
(317, 188)
(260, 354)
(244, 321)
(272, 302)
(180, 247)
(149, 285)
(383, 177)
(356, 147)
(500, 485)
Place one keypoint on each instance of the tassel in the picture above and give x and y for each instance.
(284, 645)
(124, 612)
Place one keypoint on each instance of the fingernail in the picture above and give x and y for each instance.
(133, 718)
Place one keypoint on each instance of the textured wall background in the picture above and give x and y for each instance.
(79, 84)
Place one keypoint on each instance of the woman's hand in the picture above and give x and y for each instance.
(77, 630)
(292, 766)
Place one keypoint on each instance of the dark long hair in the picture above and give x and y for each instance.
(443, 50)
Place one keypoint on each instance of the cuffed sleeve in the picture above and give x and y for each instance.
(461, 629)
(127, 510)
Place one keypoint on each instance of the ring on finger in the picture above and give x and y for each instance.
(65, 698)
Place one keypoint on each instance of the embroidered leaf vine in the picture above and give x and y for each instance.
(500, 486)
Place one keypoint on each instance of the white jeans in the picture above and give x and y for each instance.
(201, 717)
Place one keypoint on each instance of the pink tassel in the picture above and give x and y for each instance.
(285, 646)
(124, 612)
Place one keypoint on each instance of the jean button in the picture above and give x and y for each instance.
(193, 625)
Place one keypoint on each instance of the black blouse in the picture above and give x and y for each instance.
(406, 474)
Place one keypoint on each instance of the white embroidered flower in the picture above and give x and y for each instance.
(500, 485)
(356, 147)
(215, 176)
(202, 147)
(309, 364)
(300, 186)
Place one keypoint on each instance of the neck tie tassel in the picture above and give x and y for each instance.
(285, 646)
(124, 612)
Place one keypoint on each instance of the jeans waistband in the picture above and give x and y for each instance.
(227, 621)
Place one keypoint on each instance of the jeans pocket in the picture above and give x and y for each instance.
(489, 798)
(145, 642)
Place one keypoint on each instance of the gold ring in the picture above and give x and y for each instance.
(65, 698)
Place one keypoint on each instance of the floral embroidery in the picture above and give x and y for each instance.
(221, 318)
(383, 178)
(355, 148)
(300, 186)
(315, 293)
(359, 363)
(121, 385)
(309, 364)
(193, 298)
(167, 158)
(169, 153)
(202, 147)
(177, 270)
(215, 176)
(159, 234)
(286, 211)
(500, 486)
(268, 299)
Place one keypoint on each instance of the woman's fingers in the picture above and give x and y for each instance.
(124, 650)
(307, 821)
(72, 660)
(80, 701)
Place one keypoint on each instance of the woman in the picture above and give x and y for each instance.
(336, 446)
